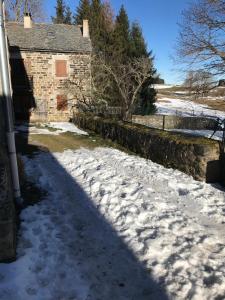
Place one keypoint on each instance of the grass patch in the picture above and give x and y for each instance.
(23, 147)
(68, 140)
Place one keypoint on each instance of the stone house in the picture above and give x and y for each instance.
(43, 57)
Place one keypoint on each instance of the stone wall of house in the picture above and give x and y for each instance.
(175, 122)
(7, 209)
(46, 86)
(198, 157)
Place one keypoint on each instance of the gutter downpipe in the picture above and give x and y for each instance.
(7, 94)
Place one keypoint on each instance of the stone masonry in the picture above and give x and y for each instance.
(46, 60)
(40, 66)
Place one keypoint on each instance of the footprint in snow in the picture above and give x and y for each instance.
(1, 277)
(31, 291)
(43, 282)
(26, 243)
(37, 268)
(183, 192)
(43, 246)
(123, 195)
(36, 230)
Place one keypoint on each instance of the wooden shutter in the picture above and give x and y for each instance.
(62, 103)
(61, 68)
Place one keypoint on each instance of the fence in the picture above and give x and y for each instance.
(175, 122)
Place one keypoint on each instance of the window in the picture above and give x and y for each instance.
(61, 68)
(62, 103)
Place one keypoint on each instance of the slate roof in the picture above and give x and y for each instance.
(48, 37)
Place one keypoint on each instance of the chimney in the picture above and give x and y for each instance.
(27, 21)
(86, 29)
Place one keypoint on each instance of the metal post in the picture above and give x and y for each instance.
(164, 117)
(7, 95)
(223, 138)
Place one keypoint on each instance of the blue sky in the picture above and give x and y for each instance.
(158, 19)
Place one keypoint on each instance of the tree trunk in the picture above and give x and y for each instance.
(127, 115)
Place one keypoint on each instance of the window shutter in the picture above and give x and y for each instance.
(61, 68)
(62, 103)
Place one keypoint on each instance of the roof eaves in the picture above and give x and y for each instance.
(49, 50)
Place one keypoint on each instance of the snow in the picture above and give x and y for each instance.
(181, 92)
(185, 108)
(59, 127)
(118, 227)
(66, 127)
(168, 106)
(162, 86)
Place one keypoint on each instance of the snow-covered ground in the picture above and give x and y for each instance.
(170, 106)
(66, 127)
(162, 86)
(117, 227)
(59, 127)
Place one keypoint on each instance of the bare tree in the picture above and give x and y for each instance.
(88, 92)
(129, 79)
(93, 93)
(199, 83)
(202, 35)
(17, 8)
(83, 96)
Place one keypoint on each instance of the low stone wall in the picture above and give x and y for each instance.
(175, 122)
(195, 156)
(7, 208)
(45, 117)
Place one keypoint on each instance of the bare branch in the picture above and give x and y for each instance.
(129, 78)
(17, 8)
(199, 83)
(202, 35)
(91, 93)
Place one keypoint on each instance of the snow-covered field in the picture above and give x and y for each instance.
(172, 106)
(162, 86)
(59, 127)
(117, 227)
